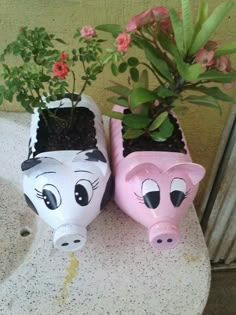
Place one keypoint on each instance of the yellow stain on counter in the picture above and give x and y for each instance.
(72, 272)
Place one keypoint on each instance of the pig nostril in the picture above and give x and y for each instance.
(169, 240)
(65, 244)
(76, 241)
(159, 241)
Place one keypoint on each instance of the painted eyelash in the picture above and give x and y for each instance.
(140, 198)
(95, 184)
(187, 193)
(39, 194)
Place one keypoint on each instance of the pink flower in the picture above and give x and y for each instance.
(230, 85)
(223, 64)
(166, 26)
(211, 45)
(88, 32)
(122, 42)
(63, 56)
(156, 103)
(205, 57)
(148, 16)
(160, 12)
(60, 69)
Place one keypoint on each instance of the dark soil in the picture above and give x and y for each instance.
(56, 135)
(143, 143)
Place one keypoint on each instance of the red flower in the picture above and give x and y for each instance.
(122, 42)
(63, 56)
(60, 69)
(148, 16)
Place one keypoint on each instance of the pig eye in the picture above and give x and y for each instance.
(178, 191)
(151, 193)
(84, 192)
(50, 196)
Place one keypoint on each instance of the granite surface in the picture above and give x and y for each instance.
(118, 273)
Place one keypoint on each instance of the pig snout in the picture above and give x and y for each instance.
(70, 237)
(164, 235)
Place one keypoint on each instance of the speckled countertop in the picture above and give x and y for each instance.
(119, 273)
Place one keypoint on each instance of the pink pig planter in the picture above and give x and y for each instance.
(154, 188)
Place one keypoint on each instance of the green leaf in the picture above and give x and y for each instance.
(114, 69)
(120, 90)
(164, 92)
(159, 64)
(114, 29)
(178, 29)
(207, 101)
(141, 96)
(188, 72)
(59, 40)
(187, 24)
(226, 50)
(146, 46)
(210, 26)
(114, 114)
(122, 101)
(143, 79)
(134, 73)
(133, 133)
(164, 132)
(1, 99)
(133, 62)
(167, 44)
(214, 92)
(217, 76)
(202, 16)
(158, 121)
(136, 121)
(122, 67)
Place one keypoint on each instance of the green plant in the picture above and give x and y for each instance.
(179, 55)
(41, 71)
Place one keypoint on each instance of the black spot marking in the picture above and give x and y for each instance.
(95, 156)
(30, 204)
(107, 193)
(28, 164)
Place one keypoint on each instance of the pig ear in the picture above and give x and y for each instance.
(145, 170)
(94, 155)
(28, 164)
(194, 171)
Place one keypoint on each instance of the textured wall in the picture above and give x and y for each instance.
(203, 127)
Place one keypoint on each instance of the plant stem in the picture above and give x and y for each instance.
(150, 68)
(154, 42)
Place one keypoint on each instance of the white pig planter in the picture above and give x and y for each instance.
(68, 182)
(154, 187)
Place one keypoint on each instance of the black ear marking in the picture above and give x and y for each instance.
(95, 156)
(30, 204)
(27, 164)
(108, 193)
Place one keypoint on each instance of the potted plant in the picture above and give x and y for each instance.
(67, 174)
(155, 178)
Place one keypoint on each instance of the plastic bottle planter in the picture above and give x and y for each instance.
(154, 188)
(68, 188)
